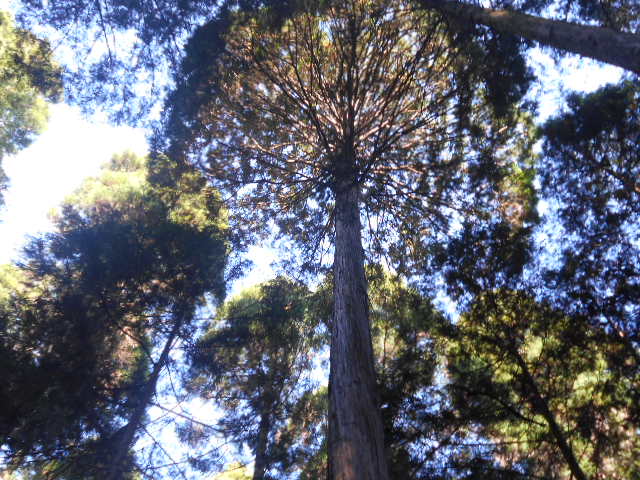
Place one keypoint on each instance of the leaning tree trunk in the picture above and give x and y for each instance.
(356, 440)
(128, 433)
(600, 43)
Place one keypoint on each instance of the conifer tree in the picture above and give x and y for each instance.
(254, 363)
(590, 168)
(419, 430)
(536, 384)
(102, 302)
(331, 117)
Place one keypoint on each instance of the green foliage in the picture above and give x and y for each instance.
(28, 78)
(280, 106)
(253, 363)
(123, 272)
(403, 326)
(306, 433)
(590, 168)
(11, 279)
(517, 367)
(236, 471)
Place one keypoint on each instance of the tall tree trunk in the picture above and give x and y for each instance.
(260, 464)
(128, 432)
(356, 440)
(600, 43)
(541, 405)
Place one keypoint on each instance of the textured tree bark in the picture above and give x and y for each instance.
(356, 440)
(260, 464)
(600, 43)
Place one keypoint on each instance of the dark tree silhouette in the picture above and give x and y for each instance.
(119, 279)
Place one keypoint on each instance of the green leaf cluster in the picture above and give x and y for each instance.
(530, 378)
(29, 77)
(121, 274)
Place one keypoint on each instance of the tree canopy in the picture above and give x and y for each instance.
(254, 363)
(367, 132)
(120, 277)
(540, 389)
(339, 113)
(29, 77)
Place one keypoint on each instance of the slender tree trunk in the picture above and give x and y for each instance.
(356, 440)
(116, 470)
(541, 405)
(260, 464)
(600, 43)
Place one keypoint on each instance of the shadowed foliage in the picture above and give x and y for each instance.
(119, 279)
(254, 364)
(537, 385)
